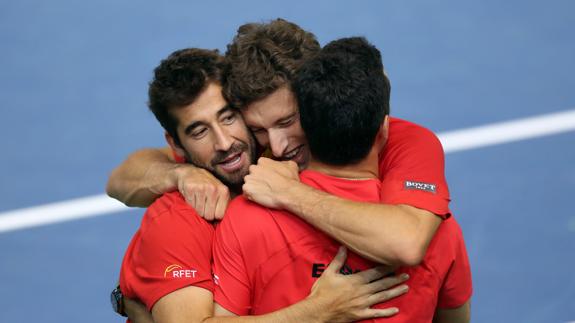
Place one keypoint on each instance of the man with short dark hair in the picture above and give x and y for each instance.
(261, 268)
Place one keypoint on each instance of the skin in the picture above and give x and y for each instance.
(460, 314)
(214, 137)
(274, 121)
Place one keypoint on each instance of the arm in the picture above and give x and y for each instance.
(147, 174)
(389, 234)
(137, 312)
(143, 177)
(461, 314)
(189, 304)
(334, 297)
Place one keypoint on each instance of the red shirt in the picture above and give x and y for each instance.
(265, 260)
(171, 250)
(411, 167)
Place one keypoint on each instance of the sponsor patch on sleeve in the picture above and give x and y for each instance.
(177, 271)
(421, 186)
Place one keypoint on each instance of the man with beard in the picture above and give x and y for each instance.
(167, 265)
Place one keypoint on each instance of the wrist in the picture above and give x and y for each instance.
(316, 310)
(177, 173)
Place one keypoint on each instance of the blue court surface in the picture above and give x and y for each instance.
(73, 84)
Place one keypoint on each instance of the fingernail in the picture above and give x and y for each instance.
(404, 276)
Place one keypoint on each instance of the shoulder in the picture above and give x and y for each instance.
(170, 205)
(244, 217)
(240, 207)
(402, 130)
(409, 146)
(170, 217)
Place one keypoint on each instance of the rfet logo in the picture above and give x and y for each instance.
(177, 271)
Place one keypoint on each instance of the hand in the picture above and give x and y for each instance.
(205, 193)
(269, 181)
(346, 298)
(136, 311)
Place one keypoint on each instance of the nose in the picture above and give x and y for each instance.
(278, 142)
(223, 140)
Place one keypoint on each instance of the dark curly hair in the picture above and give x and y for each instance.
(343, 97)
(178, 81)
(264, 57)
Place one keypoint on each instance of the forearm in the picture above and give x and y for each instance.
(461, 314)
(142, 177)
(137, 312)
(307, 310)
(388, 234)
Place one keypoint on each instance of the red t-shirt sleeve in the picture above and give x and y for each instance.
(171, 250)
(232, 284)
(179, 159)
(457, 285)
(412, 169)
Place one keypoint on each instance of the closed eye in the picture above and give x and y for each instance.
(229, 118)
(199, 132)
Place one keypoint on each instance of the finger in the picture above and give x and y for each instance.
(387, 294)
(377, 312)
(190, 198)
(200, 203)
(210, 206)
(371, 274)
(386, 283)
(292, 165)
(222, 204)
(265, 160)
(338, 261)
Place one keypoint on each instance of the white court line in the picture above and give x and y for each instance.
(453, 141)
(504, 132)
(59, 212)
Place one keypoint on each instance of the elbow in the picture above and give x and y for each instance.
(412, 258)
(114, 190)
(412, 254)
(408, 254)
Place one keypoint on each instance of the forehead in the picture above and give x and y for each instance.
(204, 108)
(266, 112)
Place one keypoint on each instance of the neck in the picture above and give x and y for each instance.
(235, 190)
(367, 168)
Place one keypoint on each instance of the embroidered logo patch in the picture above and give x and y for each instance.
(177, 271)
(412, 185)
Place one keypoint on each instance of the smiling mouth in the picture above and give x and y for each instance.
(232, 162)
(292, 154)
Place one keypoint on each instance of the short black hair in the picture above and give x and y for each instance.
(343, 97)
(178, 81)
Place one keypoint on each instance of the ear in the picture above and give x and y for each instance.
(382, 133)
(178, 150)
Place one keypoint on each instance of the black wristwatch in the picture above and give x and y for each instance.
(117, 300)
